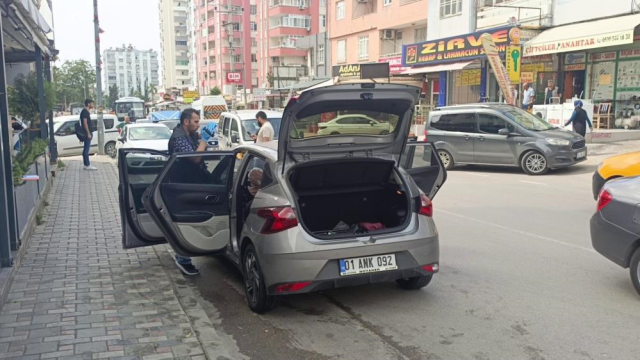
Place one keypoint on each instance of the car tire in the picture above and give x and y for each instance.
(110, 149)
(534, 163)
(634, 270)
(446, 158)
(414, 283)
(255, 290)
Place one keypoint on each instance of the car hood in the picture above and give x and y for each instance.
(621, 165)
(390, 98)
(160, 145)
(561, 134)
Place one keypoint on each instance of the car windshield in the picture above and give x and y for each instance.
(526, 120)
(149, 133)
(251, 127)
(171, 124)
(348, 122)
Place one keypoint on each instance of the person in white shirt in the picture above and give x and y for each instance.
(266, 132)
(528, 96)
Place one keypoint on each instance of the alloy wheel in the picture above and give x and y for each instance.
(536, 163)
(252, 278)
(445, 158)
(110, 149)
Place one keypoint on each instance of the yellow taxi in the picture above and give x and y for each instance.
(614, 167)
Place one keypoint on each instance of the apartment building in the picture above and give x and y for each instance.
(130, 69)
(225, 33)
(175, 40)
(292, 42)
(366, 31)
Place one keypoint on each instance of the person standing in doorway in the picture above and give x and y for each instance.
(266, 132)
(528, 96)
(85, 123)
(550, 92)
(580, 119)
(185, 139)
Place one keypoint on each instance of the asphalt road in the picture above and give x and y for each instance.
(518, 280)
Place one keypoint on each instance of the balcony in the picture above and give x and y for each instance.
(286, 31)
(492, 13)
(211, 21)
(293, 3)
(286, 51)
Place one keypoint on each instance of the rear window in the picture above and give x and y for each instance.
(464, 122)
(346, 122)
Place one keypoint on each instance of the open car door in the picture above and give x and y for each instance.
(421, 161)
(190, 202)
(138, 169)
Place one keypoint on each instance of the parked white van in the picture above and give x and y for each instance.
(237, 127)
(64, 129)
(210, 107)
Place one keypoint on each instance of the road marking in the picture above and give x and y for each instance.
(533, 182)
(590, 250)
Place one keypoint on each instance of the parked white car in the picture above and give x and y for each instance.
(144, 136)
(236, 127)
(354, 124)
(64, 129)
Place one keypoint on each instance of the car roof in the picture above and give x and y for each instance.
(251, 114)
(487, 105)
(145, 125)
(269, 149)
(77, 117)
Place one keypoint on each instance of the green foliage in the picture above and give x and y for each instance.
(39, 219)
(61, 164)
(26, 157)
(23, 98)
(73, 79)
(215, 91)
(110, 99)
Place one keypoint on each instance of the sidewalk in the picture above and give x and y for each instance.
(78, 295)
(613, 148)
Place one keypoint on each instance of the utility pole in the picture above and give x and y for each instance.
(230, 12)
(96, 23)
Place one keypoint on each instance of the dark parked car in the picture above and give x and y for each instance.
(499, 134)
(615, 227)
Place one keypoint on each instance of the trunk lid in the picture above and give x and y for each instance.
(354, 118)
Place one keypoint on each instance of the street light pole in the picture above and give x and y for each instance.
(96, 23)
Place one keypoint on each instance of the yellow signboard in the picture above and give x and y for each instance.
(190, 94)
(527, 77)
(514, 61)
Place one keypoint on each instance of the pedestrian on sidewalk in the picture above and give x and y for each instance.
(185, 138)
(580, 119)
(85, 123)
(266, 132)
(528, 96)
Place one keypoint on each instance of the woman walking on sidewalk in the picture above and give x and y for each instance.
(580, 119)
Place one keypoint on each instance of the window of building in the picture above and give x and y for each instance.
(254, 26)
(323, 20)
(254, 42)
(254, 9)
(340, 10)
(387, 2)
(342, 51)
(323, 3)
(204, 47)
(202, 18)
(181, 43)
(237, 59)
(236, 26)
(320, 54)
(182, 62)
(254, 58)
(450, 8)
(420, 34)
(363, 47)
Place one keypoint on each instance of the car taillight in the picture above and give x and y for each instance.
(293, 287)
(119, 130)
(603, 199)
(426, 207)
(278, 219)
(426, 132)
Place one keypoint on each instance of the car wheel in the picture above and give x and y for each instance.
(254, 288)
(110, 149)
(446, 158)
(534, 163)
(384, 132)
(335, 133)
(414, 283)
(634, 270)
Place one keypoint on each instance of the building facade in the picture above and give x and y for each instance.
(175, 40)
(365, 31)
(130, 69)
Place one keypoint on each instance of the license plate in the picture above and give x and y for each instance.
(368, 264)
(581, 154)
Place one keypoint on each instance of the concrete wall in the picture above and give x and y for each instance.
(462, 23)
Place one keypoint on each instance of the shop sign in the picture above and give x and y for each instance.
(580, 43)
(395, 64)
(166, 97)
(527, 77)
(457, 48)
(625, 54)
(533, 67)
(541, 58)
(190, 94)
(362, 71)
(234, 77)
(259, 95)
(514, 61)
(575, 67)
(493, 56)
(611, 55)
(471, 77)
(575, 58)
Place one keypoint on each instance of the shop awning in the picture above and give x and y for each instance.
(437, 68)
(584, 36)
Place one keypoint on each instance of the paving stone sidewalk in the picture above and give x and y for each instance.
(79, 295)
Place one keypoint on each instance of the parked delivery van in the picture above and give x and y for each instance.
(210, 107)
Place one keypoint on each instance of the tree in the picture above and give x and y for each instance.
(74, 81)
(153, 90)
(23, 98)
(114, 94)
(215, 91)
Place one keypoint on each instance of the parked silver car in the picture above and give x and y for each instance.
(307, 213)
(615, 227)
(499, 134)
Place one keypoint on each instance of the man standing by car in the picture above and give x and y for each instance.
(185, 139)
(266, 132)
(85, 123)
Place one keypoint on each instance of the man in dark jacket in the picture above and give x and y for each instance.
(580, 119)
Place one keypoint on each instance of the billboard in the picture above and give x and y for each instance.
(234, 77)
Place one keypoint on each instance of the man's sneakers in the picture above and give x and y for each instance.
(90, 167)
(187, 269)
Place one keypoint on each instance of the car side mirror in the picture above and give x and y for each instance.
(504, 132)
(234, 138)
(371, 123)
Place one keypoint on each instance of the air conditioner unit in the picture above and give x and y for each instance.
(308, 28)
(388, 34)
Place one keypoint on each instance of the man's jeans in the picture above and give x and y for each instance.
(183, 260)
(85, 152)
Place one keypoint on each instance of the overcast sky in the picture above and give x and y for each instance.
(134, 22)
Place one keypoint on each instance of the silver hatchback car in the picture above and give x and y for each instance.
(309, 212)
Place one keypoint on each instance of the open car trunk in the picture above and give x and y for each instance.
(350, 197)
